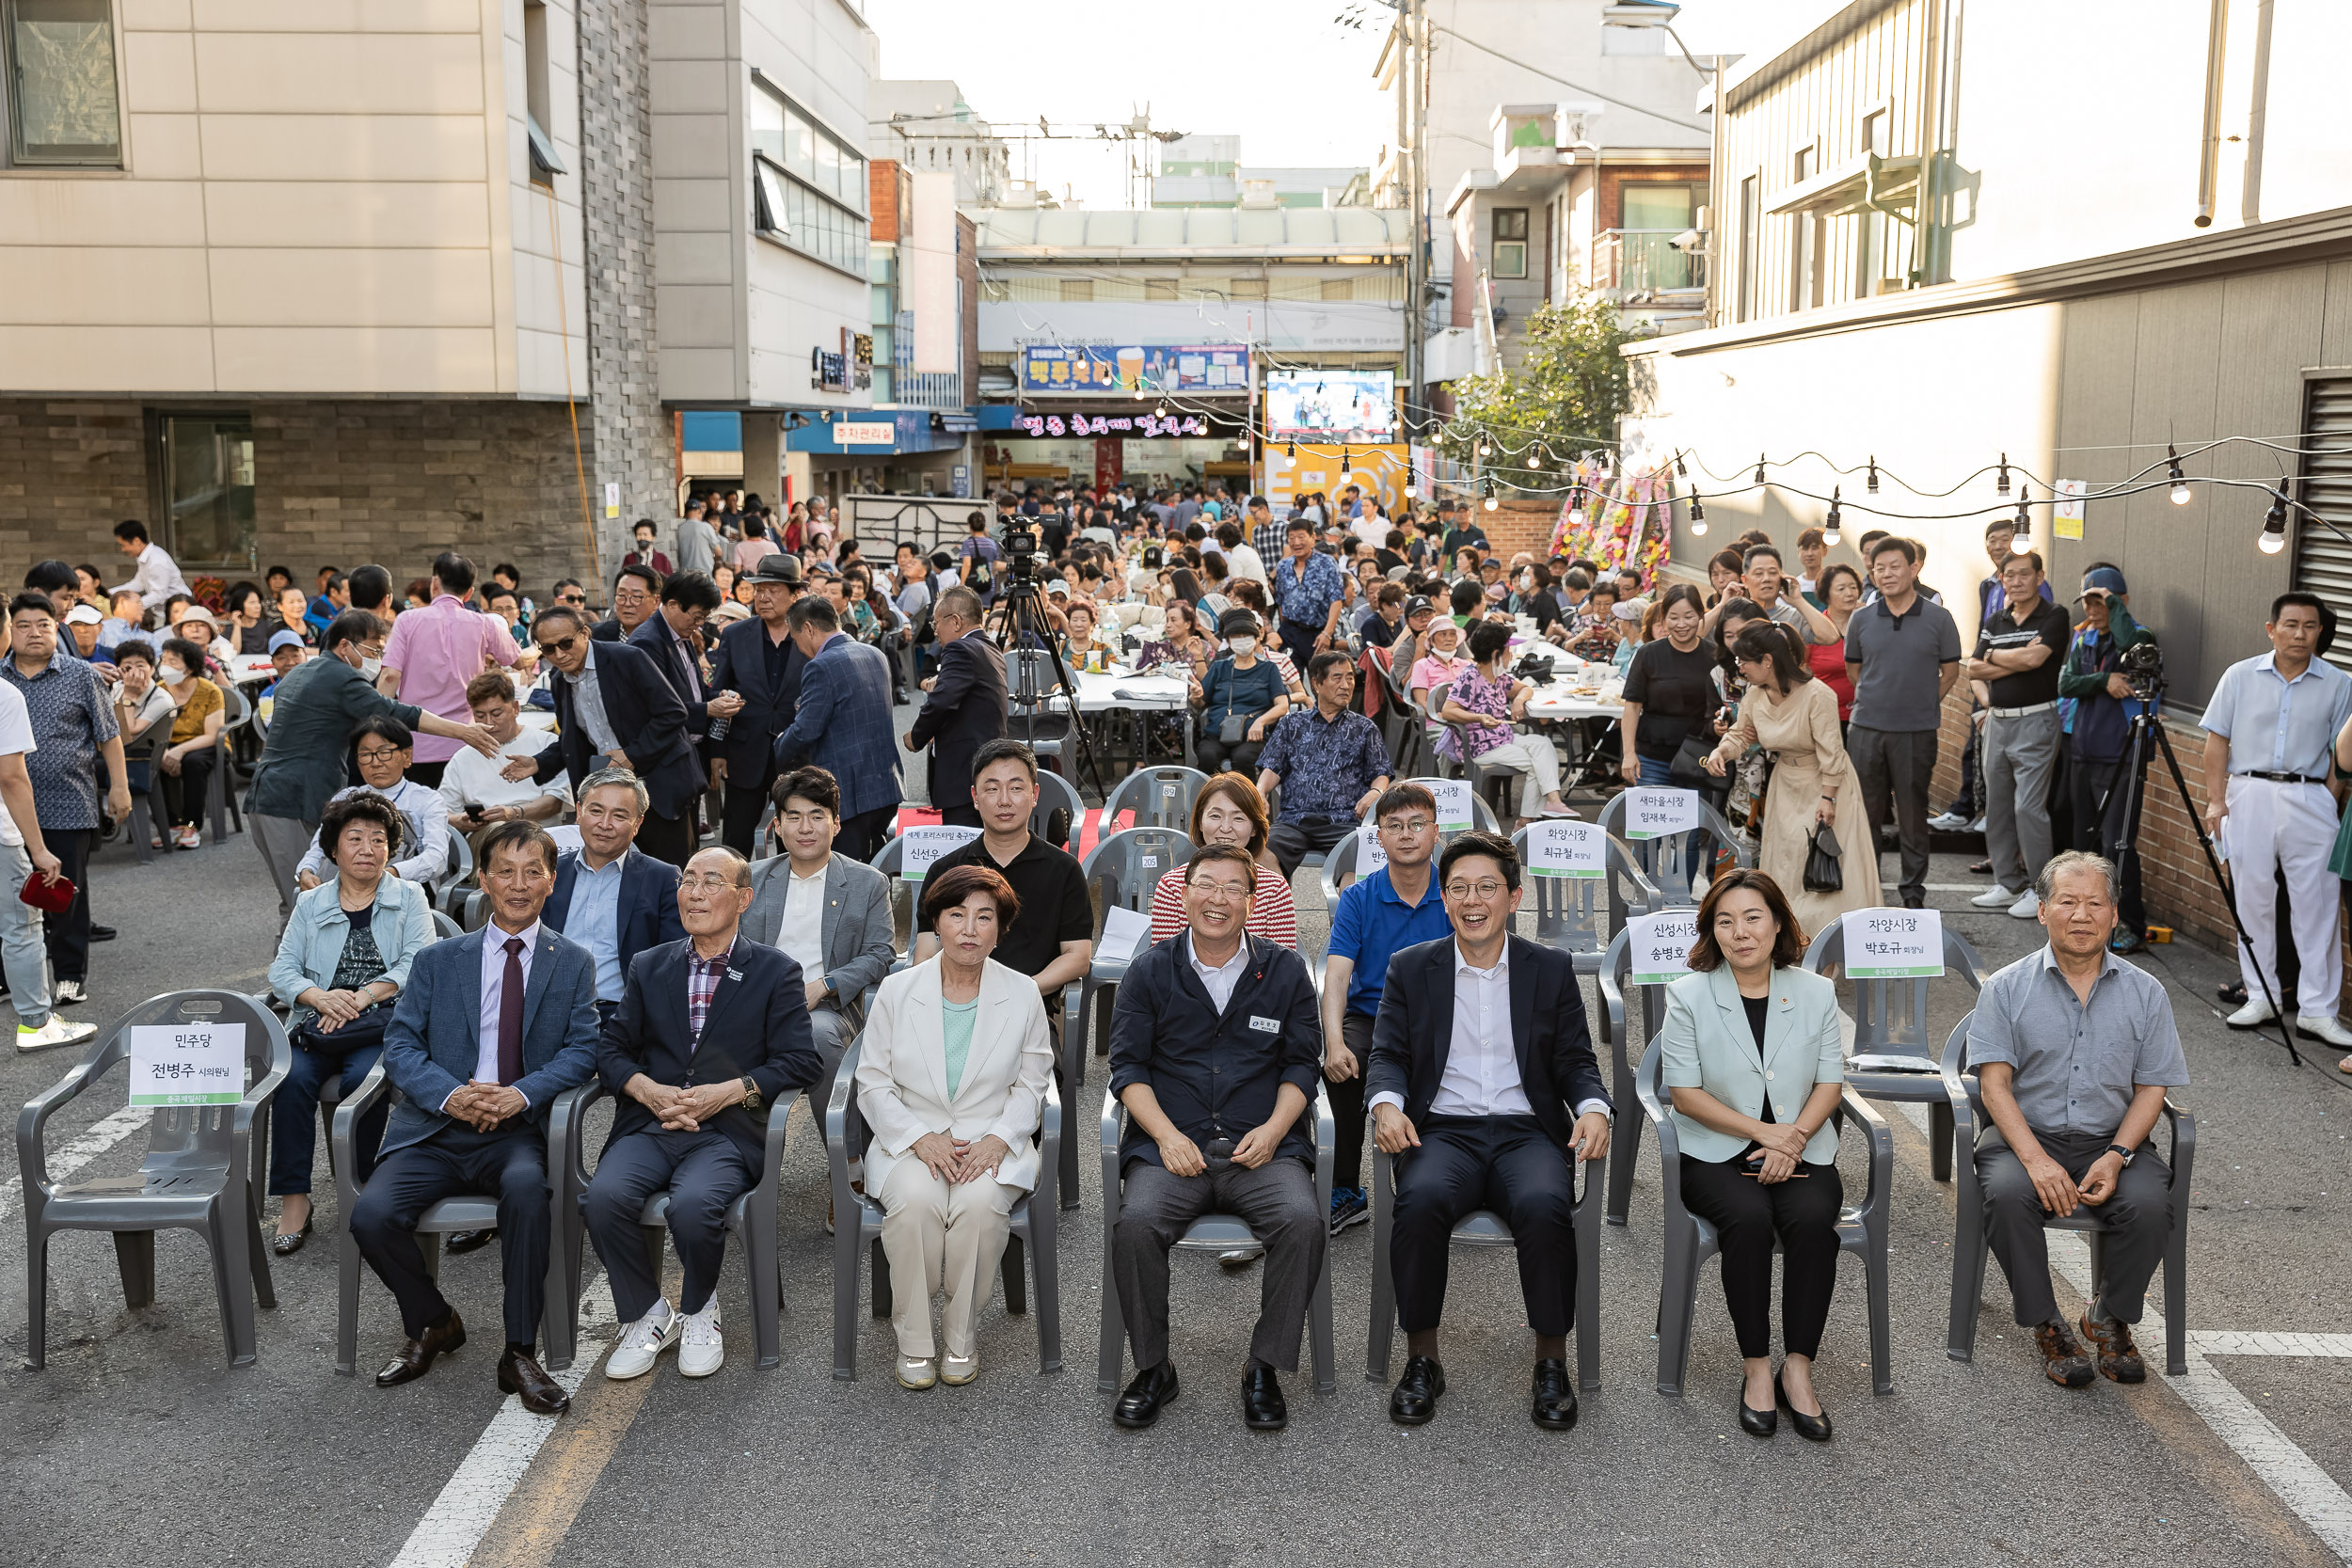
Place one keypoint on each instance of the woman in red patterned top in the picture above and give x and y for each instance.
(1230, 810)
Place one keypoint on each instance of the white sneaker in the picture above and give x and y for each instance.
(69, 991)
(917, 1373)
(55, 1032)
(1976, 825)
(1947, 822)
(2256, 1013)
(642, 1342)
(1995, 898)
(956, 1370)
(2328, 1029)
(704, 1352)
(2028, 907)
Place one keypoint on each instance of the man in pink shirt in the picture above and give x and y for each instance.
(434, 652)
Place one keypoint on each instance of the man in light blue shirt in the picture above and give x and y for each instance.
(2270, 730)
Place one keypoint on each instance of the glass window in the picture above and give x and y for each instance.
(61, 87)
(828, 171)
(1510, 223)
(771, 206)
(207, 489)
(767, 123)
(854, 179)
(798, 156)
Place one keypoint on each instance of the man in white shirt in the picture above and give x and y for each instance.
(475, 791)
(157, 579)
(24, 951)
(831, 914)
(385, 750)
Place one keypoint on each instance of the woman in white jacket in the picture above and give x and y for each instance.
(951, 1080)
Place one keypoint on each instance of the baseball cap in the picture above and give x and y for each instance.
(285, 639)
(1237, 623)
(83, 615)
(1057, 586)
(1417, 605)
(2098, 577)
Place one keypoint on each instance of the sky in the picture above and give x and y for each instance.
(1287, 77)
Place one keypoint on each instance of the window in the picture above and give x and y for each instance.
(1077, 288)
(769, 204)
(60, 89)
(1805, 238)
(1510, 242)
(204, 485)
(538, 115)
(1749, 209)
(808, 187)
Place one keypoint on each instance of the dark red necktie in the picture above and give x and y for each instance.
(511, 1014)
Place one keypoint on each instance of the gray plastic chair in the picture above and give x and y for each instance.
(1891, 1058)
(1054, 790)
(1691, 1241)
(146, 821)
(1034, 1218)
(1482, 776)
(1159, 797)
(752, 1217)
(1485, 1229)
(202, 1173)
(1614, 974)
(1661, 859)
(444, 927)
(476, 910)
(1338, 872)
(1214, 1233)
(1120, 872)
(468, 1213)
(221, 793)
(449, 889)
(1969, 1243)
(1580, 915)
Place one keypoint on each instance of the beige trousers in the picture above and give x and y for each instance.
(939, 1235)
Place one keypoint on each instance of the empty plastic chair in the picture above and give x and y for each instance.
(1580, 915)
(1053, 792)
(200, 1174)
(1664, 860)
(1159, 797)
(1893, 1058)
(1615, 976)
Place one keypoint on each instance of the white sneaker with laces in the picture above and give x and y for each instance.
(704, 1352)
(956, 1370)
(1997, 896)
(2028, 907)
(642, 1342)
(2256, 1013)
(55, 1032)
(2328, 1029)
(917, 1373)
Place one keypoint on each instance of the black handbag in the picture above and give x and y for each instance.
(1688, 768)
(363, 1033)
(1823, 871)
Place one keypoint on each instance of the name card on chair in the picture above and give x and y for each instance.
(1893, 944)
(1567, 849)
(1453, 803)
(195, 1063)
(1652, 812)
(1125, 933)
(1370, 854)
(1660, 945)
(922, 846)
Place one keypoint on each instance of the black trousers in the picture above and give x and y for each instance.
(1299, 642)
(427, 773)
(68, 934)
(747, 797)
(673, 839)
(1347, 1104)
(1291, 841)
(705, 1172)
(1464, 1163)
(1216, 756)
(2117, 831)
(184, 792)
(510, 1163)
(1748, 1216)
(861, 836)
(2139, 1222)
(1894, 767)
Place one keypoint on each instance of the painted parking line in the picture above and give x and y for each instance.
(66, 1162)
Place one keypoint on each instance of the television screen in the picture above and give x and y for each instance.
(1331, 405)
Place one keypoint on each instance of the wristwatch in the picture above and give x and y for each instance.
(2118, 1148)
(750, 1093)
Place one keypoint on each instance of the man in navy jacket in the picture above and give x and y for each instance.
(612, 704)
(758, 659)
(843, 725)
(967, 706)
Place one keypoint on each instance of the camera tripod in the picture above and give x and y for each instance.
(1016, 618)
(2145, 725)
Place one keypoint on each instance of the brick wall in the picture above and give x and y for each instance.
(69, 473)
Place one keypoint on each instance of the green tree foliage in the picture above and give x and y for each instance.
(1566, 395)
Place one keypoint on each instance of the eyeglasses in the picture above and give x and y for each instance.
(380, 753)
(1410, 824)
(712, 881)
(561, 645)
(1222, 893)
(1486, 889)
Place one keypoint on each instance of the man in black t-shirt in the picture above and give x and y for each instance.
(2015, 670)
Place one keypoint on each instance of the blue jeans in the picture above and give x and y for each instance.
(294, 1115)
(24, 948)
(1658, 771)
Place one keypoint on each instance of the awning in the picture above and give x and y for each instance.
(1854, 186)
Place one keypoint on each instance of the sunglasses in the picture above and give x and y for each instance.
(561, 645)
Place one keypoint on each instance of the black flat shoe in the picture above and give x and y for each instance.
(285, 1244)
(1813, 1429)
(1152, 1388)
(1554, 1407)
(1263, 1408)
(1756, 1424)
(470, 1241)
(1415, 1398)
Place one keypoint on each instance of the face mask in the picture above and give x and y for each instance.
(1527, 582)
(1244, 646)
(370, 667)
(170, 675)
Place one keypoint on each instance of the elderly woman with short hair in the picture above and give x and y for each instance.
(952, 1084)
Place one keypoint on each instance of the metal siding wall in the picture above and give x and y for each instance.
(2323, 558)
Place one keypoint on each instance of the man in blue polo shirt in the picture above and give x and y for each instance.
(1395, 907)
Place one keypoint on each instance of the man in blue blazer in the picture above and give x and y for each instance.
(612, 706)
(1478, 1052)
(843, 725)
(758, 659)
(492, 1026)
(711, 1036)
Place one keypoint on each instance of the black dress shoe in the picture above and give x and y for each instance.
(286, 1243)
(524, 1378)
(1139, 1406)
(469, 1240)
(1756, 1424)
(1262, 1406)
(1554, 1407)
(1414, 1399)
(1813, 1429)
(416, 1357)
(102, 933)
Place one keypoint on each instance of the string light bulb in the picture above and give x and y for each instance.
(1698, 516)
(2180, 481)
(1871, 482)
(1345, 465)
(1759, 469)
(1576, 507)
(1162, 410)
(2000, 479)
(1290, 455)
(1492, 502)
(1681, 470)
(1832, 532)
(2274, 534)
(1486, 448)
(2022, 544)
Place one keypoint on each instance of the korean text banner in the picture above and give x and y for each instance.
(1134, 367)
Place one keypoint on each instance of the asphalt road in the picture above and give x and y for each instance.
(139, 1444)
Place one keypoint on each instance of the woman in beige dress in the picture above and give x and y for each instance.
(1794, 717)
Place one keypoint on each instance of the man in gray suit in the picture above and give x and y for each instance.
(492, 1026)
(829, 912)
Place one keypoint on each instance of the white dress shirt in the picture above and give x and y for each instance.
(1481, 1061)
(428, 822)
(157, 578)
(588, 703)
(472, 779)
(1219, 978)
(485, 1064)
(800, 933)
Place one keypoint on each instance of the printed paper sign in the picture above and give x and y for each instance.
(1655, 813)
(1125, 933)
(1893, 944)
(1660, 945)
(922, 846)
(612, 500)
(196, 1063)
(1453, 803)
(1371, 855)
(1567, 849)
(2066, 509)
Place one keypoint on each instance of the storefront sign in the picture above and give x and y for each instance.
(828, 372)
(858, 348)
(861, 433)
(1101, 424)
(1135, 367)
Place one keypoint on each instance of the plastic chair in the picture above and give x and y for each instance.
(1691, 1241)
(1614, 974)
(1481, 775)
(222, 792)
(1969, 1243)
(1485, 1229)
(1034, 1218)
(1212, 1233)
(1053, 790)
(1121, 873)
(146, 822)
(1159, 797)
(476, 910)
(449, 889)
(1580, 915)
(1890, 1059)
(471, 1211)
(444, 927)
(200, 1174)
(1661, 860)
(752, 1217)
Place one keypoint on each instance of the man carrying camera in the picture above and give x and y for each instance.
(2099, 680)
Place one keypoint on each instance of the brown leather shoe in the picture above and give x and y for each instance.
(2062, 1359)
(2119, 1358)
(524, 1378)
(416, 1357)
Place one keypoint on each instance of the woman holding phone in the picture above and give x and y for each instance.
(1751, 1058)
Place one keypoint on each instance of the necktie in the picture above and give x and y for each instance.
(511, 1014)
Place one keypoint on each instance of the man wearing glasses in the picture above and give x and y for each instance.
(613, 708)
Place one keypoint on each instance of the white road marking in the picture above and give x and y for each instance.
(66, 1162)
(454, 1526)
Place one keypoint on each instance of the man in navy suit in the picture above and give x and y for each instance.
(612, 706)
(711, 1036)
(672, 637)
(1478, 1052)
(757, 658)
(966, 707)
(491, 1027)
(843, 724)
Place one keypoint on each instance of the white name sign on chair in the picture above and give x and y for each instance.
(1125, 933)
(926, 845)
(1660, 945)
(196, 1063)
(1371, 855)
(566, 837)
(1893, 944)
(1567, 849)
(1655, 812)
(1453, 803)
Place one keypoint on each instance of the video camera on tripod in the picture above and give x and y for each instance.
(1020, 551)
(2141, 665)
